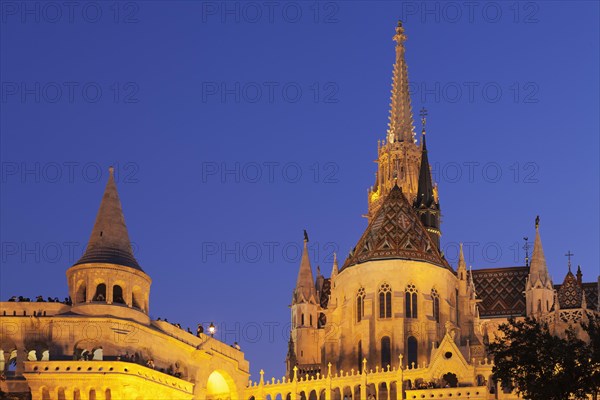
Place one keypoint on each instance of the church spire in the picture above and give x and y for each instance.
(335, 268)
(538, 270)
(109, 242)
(401, 120)
(305, 284)
(426, 203)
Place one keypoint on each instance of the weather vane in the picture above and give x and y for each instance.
(569, 255)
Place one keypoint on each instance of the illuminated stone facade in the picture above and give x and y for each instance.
(104, 346)
(396, 320)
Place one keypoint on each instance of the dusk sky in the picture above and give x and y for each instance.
(233, 126)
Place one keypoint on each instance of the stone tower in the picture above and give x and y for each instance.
(107, 279)
(303, 349)
(398, 156)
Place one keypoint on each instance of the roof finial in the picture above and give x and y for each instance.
(400, 36)
(569, 255)
(423, 114)
(537, 222)
(305, 236)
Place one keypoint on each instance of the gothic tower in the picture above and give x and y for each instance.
(539, 290)
(304, 349)
(398, 155)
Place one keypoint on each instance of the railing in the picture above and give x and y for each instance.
(469, 392)
(31, 308)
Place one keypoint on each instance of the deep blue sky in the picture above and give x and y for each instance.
(172, 124)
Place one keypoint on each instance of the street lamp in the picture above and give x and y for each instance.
(212, 330)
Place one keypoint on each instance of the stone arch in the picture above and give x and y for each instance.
(107, 394)
(312, 395)
(45, 393)
(100, 291)
(336, 393)
(347, 392)
(450, 379)
(220, 385)
(480, 380)
(322, 395)
(60, 393)
(92, 395)
(118, 293)
(38, 349)
(383, 390)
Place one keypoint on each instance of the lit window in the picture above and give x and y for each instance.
(360, 304)
(385, 301)
(411, 301)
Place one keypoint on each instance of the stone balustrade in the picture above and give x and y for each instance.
(31, 309)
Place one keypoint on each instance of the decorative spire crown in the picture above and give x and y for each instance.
(305, 284)
(400, 127)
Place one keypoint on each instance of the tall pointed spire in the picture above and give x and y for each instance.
(426, 202)
(109, 242)
(425, 196)
(401, 126)
(462, 265)
(538, 269)
(305, 284)
(335, 268)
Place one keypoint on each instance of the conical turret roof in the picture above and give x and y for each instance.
(109, 242)
(396, 232)
(305, 290)
(538, 270)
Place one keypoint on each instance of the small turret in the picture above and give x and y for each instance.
(305, 314)
(539, 290)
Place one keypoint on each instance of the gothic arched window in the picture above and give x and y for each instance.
(385, 301)
(412, 351)
(436, 305)
(411, 301)
(360, 304)
(386, 352)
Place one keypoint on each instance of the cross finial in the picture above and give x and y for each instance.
(423, 114)
(526, 248)
(569, 255)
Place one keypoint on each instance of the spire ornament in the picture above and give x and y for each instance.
(569, 255)
(401, 127)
